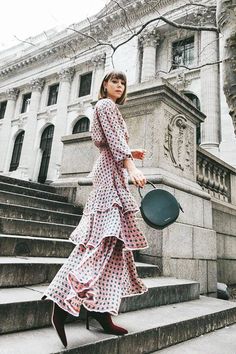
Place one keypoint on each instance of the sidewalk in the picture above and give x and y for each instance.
(222, 341)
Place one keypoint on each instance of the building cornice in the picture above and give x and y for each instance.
(102, 25)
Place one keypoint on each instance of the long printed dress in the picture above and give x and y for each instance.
(101, 269)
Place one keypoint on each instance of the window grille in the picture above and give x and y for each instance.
(183, 52)
(17, 151)
(85, 84)
(53, 93)
(26, 103)
(81, 126)
(3, 106)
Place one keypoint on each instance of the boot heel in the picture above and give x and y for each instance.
(87, 319)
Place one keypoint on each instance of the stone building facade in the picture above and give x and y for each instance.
(47, 88)
(175, 109)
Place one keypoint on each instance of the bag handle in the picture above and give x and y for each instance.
(139, 188)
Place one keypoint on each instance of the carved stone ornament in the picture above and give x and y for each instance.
(48, 116)
(99, 60)
(20, 123)
(149, 38)
(206, 16)
(179, 138)
(12, 94)
(66, 74)
(37, 84)
(181, 82)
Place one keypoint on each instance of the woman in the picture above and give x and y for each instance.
(101, 269)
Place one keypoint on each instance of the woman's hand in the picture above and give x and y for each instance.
(137, 177)
(138, 154)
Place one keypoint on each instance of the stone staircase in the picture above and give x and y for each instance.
(35, 224)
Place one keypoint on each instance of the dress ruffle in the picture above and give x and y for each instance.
(96, 278)
(93, 228)
(104, 197)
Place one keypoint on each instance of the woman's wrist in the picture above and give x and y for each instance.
(129, 164)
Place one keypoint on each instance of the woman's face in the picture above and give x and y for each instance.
(115, 88)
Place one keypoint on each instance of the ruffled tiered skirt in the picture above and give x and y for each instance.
(101, 268)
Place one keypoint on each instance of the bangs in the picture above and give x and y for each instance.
(119, 75)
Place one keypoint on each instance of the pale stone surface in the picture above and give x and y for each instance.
(178, 241)
(230, 247)
(220, 245)
(154, 239)
(204, 243)
(207, 214)
(233, 189)
(201, 271)
(226, 270)
(79, 155)
(221, 222)
(222, 341)
(189, 269)
(211, 276)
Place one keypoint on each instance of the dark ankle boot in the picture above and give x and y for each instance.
(58, 320)
(104, 318)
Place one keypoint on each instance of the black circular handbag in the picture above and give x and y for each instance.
(159, 208)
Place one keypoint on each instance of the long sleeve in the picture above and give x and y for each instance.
(107, 115)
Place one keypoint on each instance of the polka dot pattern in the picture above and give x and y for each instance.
(101, 268)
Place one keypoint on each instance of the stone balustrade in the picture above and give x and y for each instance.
(214, 175)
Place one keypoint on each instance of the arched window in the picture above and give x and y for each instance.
(17, 151)
(45, 146)
(194, 99)
(81, 126)
(196, 103)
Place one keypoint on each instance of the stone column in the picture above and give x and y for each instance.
(226, 16)
(210, 87)
(65, 76)
(149, 41)
(29, 150)
(5, 135)
(99, 62)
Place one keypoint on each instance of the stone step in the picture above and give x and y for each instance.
(149, 330)
(23, 200)
(24, 302)
(23, 227)
(13, 245)
(36, 214)
(7, 187)
(27, 184)
(221, 341)
(22, 271)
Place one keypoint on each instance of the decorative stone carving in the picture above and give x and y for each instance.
(205, 16)
(150, 134)
(48, 116)
(20, 122)
(181, 82)
(12, 94)
(66, 74)
(178, 141)
(149, 38)
(99, 60)
(37, 84)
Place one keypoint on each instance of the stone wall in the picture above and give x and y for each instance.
(224, 223)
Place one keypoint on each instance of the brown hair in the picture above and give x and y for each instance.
(113, 75)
